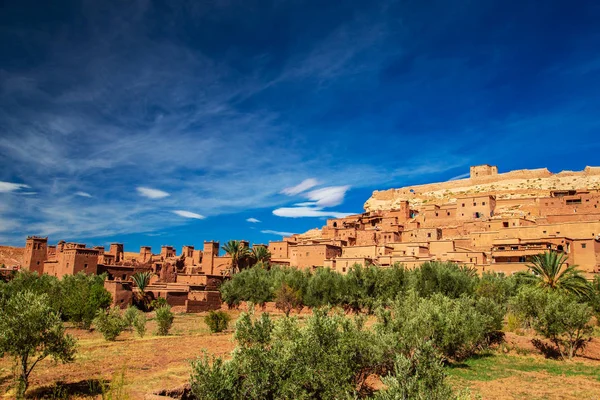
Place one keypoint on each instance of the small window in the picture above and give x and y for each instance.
(448, 213)
(84, 266)
(38, 263)
(505, 224)
(429, 235)
(474, 203)
(463, 204)
(544, 232)
(583, 245)
(483, 204)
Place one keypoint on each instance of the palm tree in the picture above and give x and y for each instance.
(142, 280)
(550, 271)
(262, 256)
(238, 253)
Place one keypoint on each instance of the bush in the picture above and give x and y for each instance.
(129, 316)
(139, 324)
(328, 357)
(324, 288)
(110, 323)
(528, 304)
(217, 321)
(417, 376)
(252, 284)
(213, 379)
(445, 278)
(158, 303)
(82, 297)
(287, 299)
(456, 327)
(565, 322)
(164, 320)
(30, 331)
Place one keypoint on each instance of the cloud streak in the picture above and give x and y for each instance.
(152, 193)
(188, 214)
(7, 187)
(303, 212)
(277, 233)
(301, 187)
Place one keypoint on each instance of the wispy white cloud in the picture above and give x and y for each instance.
(83, 194)
(253, 220)
(328, 196)
(299, 212)
(152, 193)
(301, 187)
(7, 187)
(278, 233)
(188, 214)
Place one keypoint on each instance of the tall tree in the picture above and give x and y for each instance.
(30, 331)
(551, 271)
(238, 253)
(261, 256)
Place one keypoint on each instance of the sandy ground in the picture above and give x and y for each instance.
(153, 363)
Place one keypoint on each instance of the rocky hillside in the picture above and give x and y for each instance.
(11, 256)
(514, 184)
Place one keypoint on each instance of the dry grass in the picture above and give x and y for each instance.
(153, 363)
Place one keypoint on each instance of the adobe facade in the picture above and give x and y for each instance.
(492, 221)
(189, 281)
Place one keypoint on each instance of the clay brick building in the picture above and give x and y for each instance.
(492, 221)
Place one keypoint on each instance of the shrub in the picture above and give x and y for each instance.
(496, 287)
(565, 322)
(253, 285)
(445, 278)
(129, 316)
(30, 330)
(419, 375)
(158, 303)
(139, 323)
(454, 326)
(287, 299)
(38, 284)
(110, 323)
(528, 304)
(82, 297)
(217, 321)
(324, 288)
(328, 357)
(213, 379)
(164, 320)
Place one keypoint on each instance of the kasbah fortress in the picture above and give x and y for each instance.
(490, 221)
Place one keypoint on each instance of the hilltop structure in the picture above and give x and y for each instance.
(490, 221)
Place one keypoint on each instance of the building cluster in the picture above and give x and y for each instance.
(489, 221)
(189, 280)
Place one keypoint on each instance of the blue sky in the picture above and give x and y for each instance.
(177, 122)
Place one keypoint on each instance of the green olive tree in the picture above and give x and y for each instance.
(30, 331)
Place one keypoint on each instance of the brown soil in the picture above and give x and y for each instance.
(537, 385)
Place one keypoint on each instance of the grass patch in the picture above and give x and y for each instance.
(493, 366)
